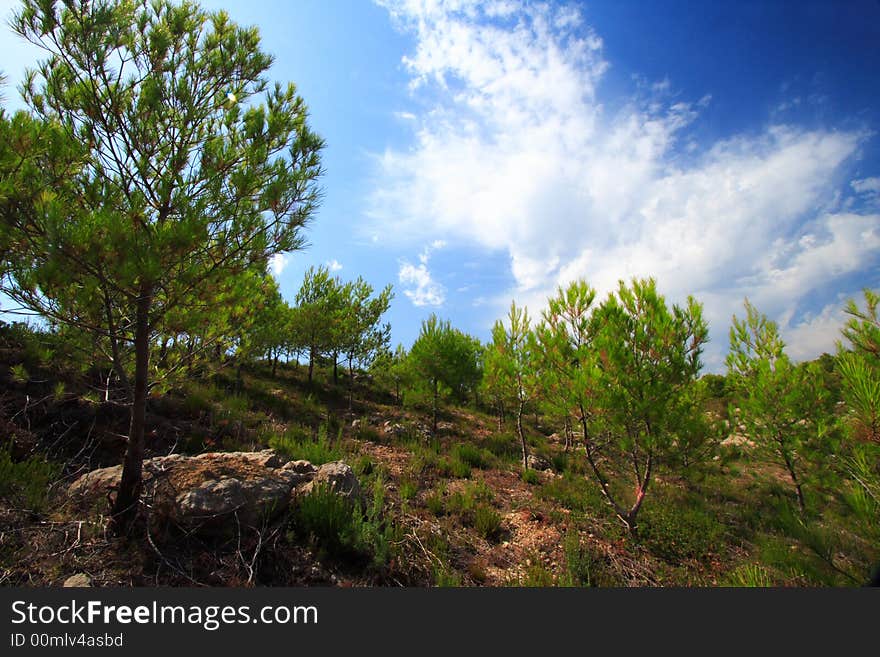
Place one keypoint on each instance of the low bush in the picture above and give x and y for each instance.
(472, 456)
(25, 483)
(487, 522)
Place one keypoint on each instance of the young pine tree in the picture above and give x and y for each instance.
(185, 180)
(781, 405)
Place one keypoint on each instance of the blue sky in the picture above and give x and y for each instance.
(479, 153)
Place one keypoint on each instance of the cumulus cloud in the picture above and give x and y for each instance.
(516, 152)
(423, 290)
(334, 265)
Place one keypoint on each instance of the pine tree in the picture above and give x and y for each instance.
(184, 182)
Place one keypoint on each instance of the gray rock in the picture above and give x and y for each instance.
(205, 492)
(538, 462)
(338, 477)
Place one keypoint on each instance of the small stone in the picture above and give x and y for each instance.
(80, 580)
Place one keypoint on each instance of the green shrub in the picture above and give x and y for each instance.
(338, 527)
(445, 577)
(460, 502)
(531, 477)
(750, 575)
(578, 561)
(560, 462)
(487, 522)
(434, 502)
(26, 483)
(453, 467)
(408, 489)
(331, 521)
(473, 456)
(363, 465)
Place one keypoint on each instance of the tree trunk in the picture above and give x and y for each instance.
(434, 414)
(794, 479)
(600, 477)
(350, 383)
(311, 362)
(274, 362)
(630, 519)
(125, 507)
(335, 368)
(522, 436)
(114, 348)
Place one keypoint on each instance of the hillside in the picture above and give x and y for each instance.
(449, 509)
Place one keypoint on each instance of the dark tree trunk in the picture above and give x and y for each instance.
(597, 471)
(125, 507)
(350, 383)
(274, 362)
(794, 479)
(114, 348)
(434, 414)
(335, 368)
(311, 362)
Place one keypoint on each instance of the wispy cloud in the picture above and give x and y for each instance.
(334, 265)
(423, 290)
(516, 152)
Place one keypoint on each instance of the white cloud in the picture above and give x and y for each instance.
(423, 290)
(517, 153)
(866, 185)
(868, 189)
(278, 262)
(809, 337)
(334, 265)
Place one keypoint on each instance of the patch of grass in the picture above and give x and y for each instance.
(572, 492)
(26, 483)
(297, 443)
(423, 460)
(504, 446)
(680, 531)
(367, 432)
(537, 575)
